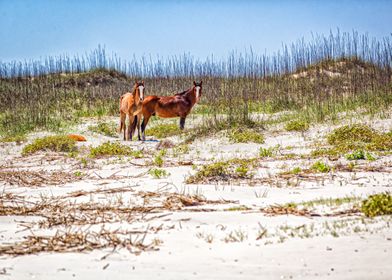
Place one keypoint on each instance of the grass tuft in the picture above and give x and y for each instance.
(320, 166)
(163, 130)
(158, 173)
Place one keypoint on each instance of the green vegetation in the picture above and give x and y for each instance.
(360, 154)
(378, 204)
(357, 139)
(297, 125)
(224, 171)
(158, 173)
(163, 130)
(113, 149)
(56, 143)
(245, 135)
(104, 128)
(238, 208)
(320, 166)
(158, 159)
(268, 152)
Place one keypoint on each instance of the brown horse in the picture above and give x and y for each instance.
(131, 106)
(178, 105)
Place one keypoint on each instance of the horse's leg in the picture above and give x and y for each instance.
(134, 124)
(131, 127)
(182, 123)
(144, 125)
(122, 123)
(138, 126)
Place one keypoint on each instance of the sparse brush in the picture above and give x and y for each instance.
(56, 143)
(268, 152)
(18, 138)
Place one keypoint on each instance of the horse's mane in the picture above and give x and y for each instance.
(183, 92)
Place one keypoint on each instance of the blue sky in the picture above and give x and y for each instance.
(34, 29)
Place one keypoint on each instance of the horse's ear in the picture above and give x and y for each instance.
(135, 82)
(194, 83)
(143, 82)
(201, 82)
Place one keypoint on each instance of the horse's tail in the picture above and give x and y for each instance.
(77, 137)
(134, 124)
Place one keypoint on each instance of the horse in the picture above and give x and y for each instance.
(131, 106)
(178, 105)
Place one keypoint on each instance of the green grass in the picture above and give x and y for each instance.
(378, 204)
(158, 159)
(113, 149)
(56, 143)
(297, 125)
(245, 135)
(104, 128)
(158, 173)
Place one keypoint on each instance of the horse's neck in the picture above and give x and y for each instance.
(190, 96)
(136, 97)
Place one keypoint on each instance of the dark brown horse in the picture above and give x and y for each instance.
(179, 105)
(131, 107)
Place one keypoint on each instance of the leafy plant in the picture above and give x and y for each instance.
(320, 166)
(163, 130)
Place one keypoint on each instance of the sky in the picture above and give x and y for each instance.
(35, 29)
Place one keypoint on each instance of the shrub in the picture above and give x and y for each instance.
(297, 125)
(107, 129)
(158, 173)
(378, 204)
(112, 149)
(320, 166)
(245, 135)
(56, 143)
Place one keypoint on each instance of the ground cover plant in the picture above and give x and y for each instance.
(56, 143)
(113, 149)
(104, 128)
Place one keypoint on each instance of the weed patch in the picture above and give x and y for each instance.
(158, 173)
(163, 130)
(320, 166)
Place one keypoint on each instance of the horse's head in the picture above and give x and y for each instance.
(139, 90)
(197, 87)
